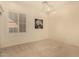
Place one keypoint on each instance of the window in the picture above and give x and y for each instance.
(22, 23)
(17, 22)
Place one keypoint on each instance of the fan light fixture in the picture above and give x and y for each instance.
(47, 7)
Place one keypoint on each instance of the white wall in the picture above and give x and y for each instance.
(64, 24)
(61, 25)
(32, 11)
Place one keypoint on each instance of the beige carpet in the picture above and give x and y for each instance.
(43, 48)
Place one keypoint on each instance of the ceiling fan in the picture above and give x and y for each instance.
(48, 8)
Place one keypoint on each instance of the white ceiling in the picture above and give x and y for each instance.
(37, 3)
(25, 3)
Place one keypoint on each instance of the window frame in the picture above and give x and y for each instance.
(18, 23)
